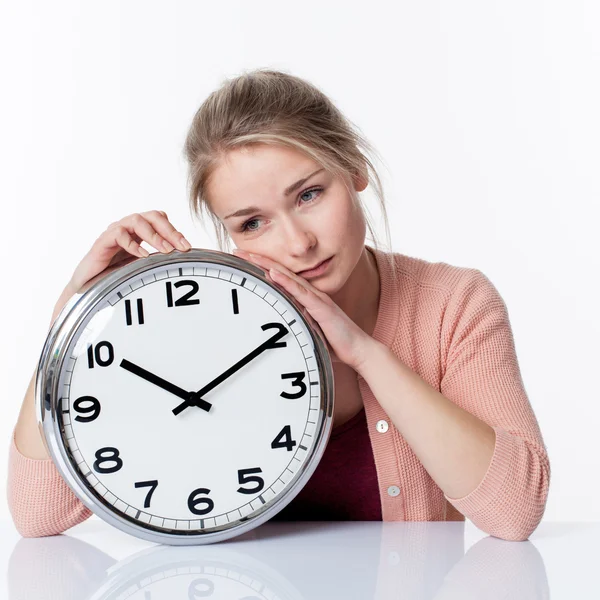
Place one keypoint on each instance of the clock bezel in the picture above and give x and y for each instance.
(50, 367)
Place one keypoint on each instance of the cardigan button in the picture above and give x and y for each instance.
(393, 490)
(382, 426)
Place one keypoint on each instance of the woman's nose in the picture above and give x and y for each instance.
(298, 239)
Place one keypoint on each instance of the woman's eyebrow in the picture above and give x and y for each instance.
(295, 186)
(288, 190)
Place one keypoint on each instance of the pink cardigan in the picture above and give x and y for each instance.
(450, 325)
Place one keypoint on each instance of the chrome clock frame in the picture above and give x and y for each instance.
(48, 400)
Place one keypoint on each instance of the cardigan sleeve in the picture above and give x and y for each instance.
(481, 374)
(39, 500)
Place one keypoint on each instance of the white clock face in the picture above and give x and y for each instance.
(131, 426)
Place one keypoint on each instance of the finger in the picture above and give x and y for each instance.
(270, 265)
(296, 284)
(126, 240)
(131, 230)
(166, 230)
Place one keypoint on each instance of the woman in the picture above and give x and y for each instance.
(431, 420)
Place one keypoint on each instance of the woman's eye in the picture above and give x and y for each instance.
(310, 192)
(245, 227)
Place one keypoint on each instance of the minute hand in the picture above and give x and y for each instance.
(269, 344)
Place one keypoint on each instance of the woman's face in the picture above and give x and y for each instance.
(287, 207)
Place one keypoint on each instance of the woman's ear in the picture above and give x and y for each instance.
(360, 180)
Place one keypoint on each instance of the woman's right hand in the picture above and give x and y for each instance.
(120, 243)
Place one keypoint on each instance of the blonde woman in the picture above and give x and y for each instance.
(432, 421)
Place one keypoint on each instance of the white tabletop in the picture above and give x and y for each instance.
(306, 561)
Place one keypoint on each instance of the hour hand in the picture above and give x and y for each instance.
(164, 384)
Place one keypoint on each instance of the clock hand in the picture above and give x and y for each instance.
(163, 383)
(194, 398)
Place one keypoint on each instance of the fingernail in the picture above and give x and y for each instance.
(167, 246)
(185, 243)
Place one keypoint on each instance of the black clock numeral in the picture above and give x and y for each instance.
(298, 380)
(153, 485)
(94, 353)
(234, 301)
(113, 456)
(93, 408)
(185, 299)
(140, 311)
(193, 502)
(245, 477)
(274, 342)
(284, 439)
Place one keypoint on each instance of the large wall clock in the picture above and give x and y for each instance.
(185, 398)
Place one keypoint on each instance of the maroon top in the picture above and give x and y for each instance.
(344, 486)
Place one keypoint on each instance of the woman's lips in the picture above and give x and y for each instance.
(318, 270)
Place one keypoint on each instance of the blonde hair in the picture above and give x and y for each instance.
(273, 107)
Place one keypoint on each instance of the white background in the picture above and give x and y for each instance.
(485, 113)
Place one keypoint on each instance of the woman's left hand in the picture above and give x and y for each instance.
(347, 342)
